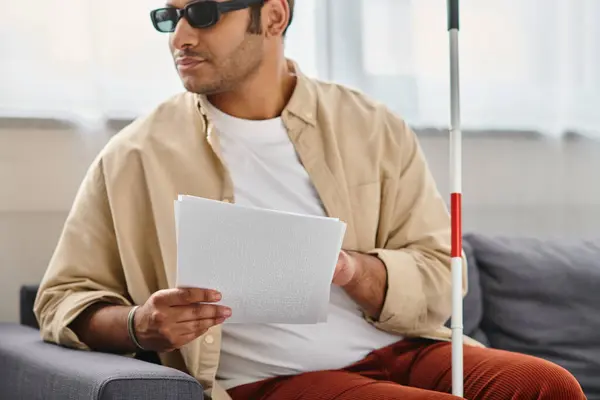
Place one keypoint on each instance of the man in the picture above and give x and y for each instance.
(252, 129)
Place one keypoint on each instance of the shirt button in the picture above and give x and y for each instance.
(209, 339)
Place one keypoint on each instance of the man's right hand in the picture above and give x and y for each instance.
(172, 318)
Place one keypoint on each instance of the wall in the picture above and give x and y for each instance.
(41, 165)
(524, 184)
(512, 185)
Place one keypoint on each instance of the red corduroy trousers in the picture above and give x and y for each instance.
(419, 369)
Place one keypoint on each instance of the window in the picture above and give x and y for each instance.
(532, 65)
(526, 65)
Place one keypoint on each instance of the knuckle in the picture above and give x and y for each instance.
(197, 311)
(152, 301)
(210, 311)
(207, 324)
(201, 326)
(156, 300)
(157, 297)
(157, 317)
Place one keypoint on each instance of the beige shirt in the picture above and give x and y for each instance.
(118, 243)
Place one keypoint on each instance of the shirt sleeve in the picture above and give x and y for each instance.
(85, 267)
(417, 250)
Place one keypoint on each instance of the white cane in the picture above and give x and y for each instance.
(455, 203)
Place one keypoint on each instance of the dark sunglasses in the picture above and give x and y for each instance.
(199, 14)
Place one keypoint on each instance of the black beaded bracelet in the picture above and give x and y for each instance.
(131, 329)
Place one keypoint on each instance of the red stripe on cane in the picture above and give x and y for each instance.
(455, 216)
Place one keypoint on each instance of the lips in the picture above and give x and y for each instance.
(188, 63)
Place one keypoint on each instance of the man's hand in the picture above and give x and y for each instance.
(172, 318)
(364, 278)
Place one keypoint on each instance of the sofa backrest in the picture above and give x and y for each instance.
(538, 297)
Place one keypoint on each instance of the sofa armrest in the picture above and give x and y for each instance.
(32, 369)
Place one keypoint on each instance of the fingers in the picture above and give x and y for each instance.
(185, 296)
(198, 327)
(194, 312)
(172, 318)
(178, 335)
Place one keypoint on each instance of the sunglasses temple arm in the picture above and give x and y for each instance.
(235, 5)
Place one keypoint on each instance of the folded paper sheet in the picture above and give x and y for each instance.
(270, 266)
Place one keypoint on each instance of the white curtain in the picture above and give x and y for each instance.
(525, 64)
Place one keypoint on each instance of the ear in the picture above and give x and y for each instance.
(276, 16)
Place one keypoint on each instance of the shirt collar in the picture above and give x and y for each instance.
(302, 104)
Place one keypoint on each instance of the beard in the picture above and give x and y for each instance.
(216, 76)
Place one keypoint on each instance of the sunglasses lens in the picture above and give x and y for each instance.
(203, 14)
(165, 19)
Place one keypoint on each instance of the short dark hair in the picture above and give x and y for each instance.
(255, 14)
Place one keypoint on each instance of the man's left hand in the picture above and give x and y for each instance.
(364, 278)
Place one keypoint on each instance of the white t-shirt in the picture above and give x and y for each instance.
(267, 173)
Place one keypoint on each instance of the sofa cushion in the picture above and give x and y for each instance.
(541, 298)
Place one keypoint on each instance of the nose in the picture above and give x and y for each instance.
(184, 35)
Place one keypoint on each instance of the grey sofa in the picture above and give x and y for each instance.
(33, 370)
(526, 295)
(537, 297)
